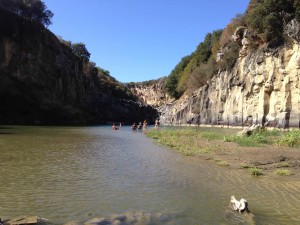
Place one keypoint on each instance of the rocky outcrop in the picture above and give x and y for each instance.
(127, 218)
(150, 92)
(262, 88)
(22, 220)
(43, 82)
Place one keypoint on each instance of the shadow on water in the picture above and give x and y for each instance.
(6, 130)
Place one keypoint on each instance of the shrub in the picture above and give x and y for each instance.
(245, 166)
(201, 74)
(223, 163)
(231, 53)
(227, 33)
(282, 172)
(291, 138)
(255, 171)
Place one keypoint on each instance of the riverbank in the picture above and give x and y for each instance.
(271, 153)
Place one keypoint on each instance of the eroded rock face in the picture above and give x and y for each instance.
(151, 93)
(293, 30)
(262, 88)
(43, 82)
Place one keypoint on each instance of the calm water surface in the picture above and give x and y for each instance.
(78, 173)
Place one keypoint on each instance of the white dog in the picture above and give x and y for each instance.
(240, 206)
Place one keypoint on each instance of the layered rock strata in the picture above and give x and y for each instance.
(262, 88)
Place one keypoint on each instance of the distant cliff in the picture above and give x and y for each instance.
(43, 82)
(263, 87)
(150, 92)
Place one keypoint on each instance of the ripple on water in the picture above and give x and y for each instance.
(66, 174)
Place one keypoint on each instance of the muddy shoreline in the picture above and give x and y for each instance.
(267, 158)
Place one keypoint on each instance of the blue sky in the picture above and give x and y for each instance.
(139, 40)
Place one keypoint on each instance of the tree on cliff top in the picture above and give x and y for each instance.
(173, 79)
(33, 10)
(81, 51)
(268, 17)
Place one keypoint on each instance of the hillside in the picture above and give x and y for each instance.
(42, 81)
(247, 73)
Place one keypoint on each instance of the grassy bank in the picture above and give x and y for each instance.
(225, 148)
(189, 141)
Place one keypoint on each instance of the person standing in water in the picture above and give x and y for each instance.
(156, 123)
(133, 127)
(145, 124)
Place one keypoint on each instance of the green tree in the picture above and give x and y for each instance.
(199, 57)
(174, 77)
(267, 17)
(80, 50)
(33, 10)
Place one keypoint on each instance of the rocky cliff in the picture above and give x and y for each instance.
(263, 87)
(43, 82)
(151, 92)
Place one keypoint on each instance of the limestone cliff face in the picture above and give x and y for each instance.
(263, 87)
(151, 92)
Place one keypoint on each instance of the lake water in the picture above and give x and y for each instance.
(78, 173)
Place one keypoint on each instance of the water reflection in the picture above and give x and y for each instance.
(78, 173)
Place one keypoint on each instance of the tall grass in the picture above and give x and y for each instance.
(194, 141)
(189, 141)
(290, 138)
(258, 138)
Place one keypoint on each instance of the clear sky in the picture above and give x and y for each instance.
(139, 40)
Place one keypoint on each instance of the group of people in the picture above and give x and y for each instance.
(114, 127)
(138, 126)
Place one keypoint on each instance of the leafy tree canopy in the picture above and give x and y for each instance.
(174, 77)
(201, 56)
(33, 10)
(80, 50)
(178, 80)
(268, 17)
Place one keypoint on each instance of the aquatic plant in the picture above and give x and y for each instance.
(223, 163)
(282, 164)
(256, 171)
(245, 166)
(283, 172)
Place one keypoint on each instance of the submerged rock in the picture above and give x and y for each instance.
(249, 130)
(128, 218)
(20, 220)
